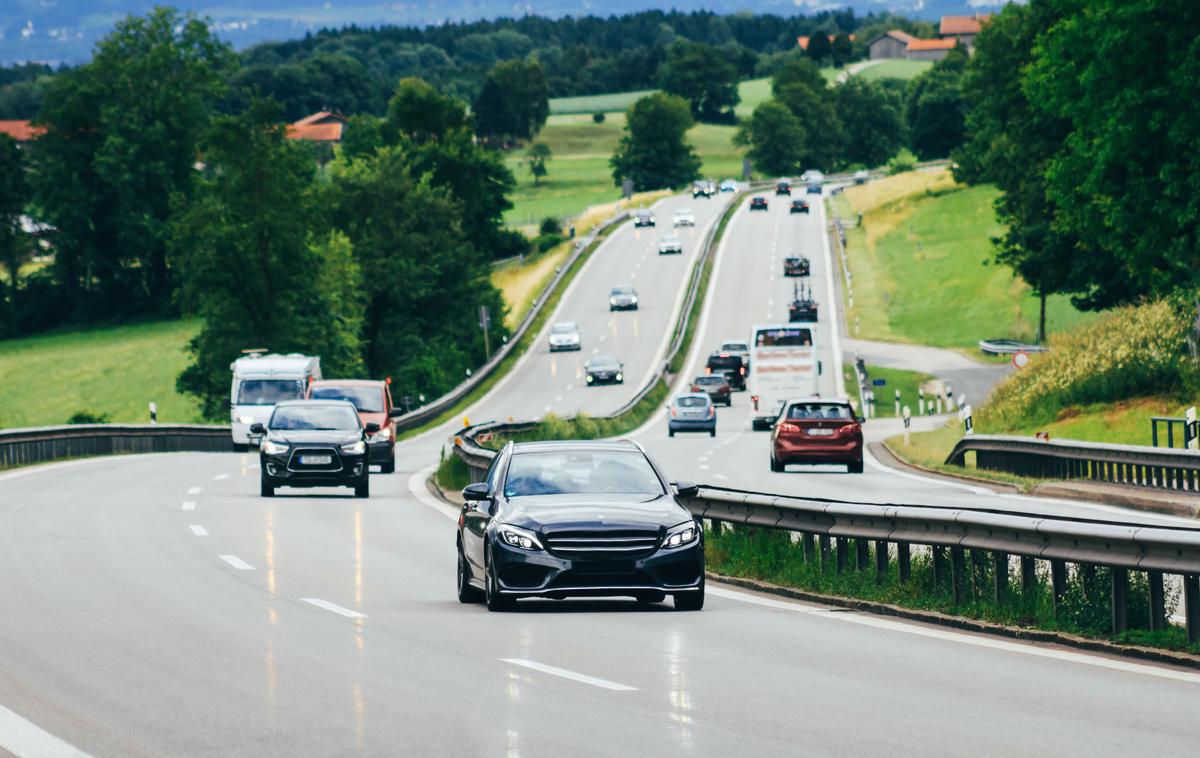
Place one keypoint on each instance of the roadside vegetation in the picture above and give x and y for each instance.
(885, 396)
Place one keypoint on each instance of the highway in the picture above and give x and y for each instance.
(155, 605)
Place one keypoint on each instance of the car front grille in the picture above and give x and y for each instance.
(294, 464)
(599, 545)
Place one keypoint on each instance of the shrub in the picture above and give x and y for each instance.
(87, 417)
(546, 242)
(1132, 351)
(598, 117)
(900, 166)
(550, 225)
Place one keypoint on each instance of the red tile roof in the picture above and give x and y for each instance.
(962, 24)
(315, 132)
(21, 131)
(932, 44)
(324, 117)
(803, 41)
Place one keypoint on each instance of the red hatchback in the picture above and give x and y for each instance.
(815, 430)
(373, 400)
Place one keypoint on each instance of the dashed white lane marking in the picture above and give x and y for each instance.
(334, 608)
(24, 738)
(219, 477)
(416, 486)
(236, 562)
(195, 490)
(570, 386)
(189, 505)
(595, 350)
(547, 409)
(198, 530)
(558, 399)
(965, 639)
(572, 675)
(704, 467)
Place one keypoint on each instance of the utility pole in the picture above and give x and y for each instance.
(485, 323)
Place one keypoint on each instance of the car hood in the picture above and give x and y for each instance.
(554, 513)
(316, 437)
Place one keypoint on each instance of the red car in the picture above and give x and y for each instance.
(373, 401)
(816, 430)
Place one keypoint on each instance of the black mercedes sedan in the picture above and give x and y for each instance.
(604, 369)
(578, 518)
(314, 443)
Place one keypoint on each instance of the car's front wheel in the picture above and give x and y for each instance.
(364, 489)
(496, 603)
(265, 488)
(855, 467)
(690, 601)
(466, 593)
(389, 466)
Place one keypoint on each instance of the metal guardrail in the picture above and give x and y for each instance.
(436, 407)
(1159, 468)
(20, 447)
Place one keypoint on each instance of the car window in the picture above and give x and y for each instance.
(562, 329)
(580, 472)
(269, 391)
(365, 399)
(784, 337)
(691, 402)
(314, 418)
(814, 411)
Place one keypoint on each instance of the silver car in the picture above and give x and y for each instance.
(623, 298)
(564, 336)
(684, 217)
(670, 246)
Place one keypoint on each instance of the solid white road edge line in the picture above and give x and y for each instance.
(198, 530)
(28, 740)
(416, 485)
(236, 562)
(959, 637)
(565, 674)
(334, 608)
(839, 379)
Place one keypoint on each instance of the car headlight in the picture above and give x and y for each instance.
(273, 447)
(620, 376)
(245, 419)
(383, 435)
(612, 301)
(682, 535)
(355, 448)
(633, 300)
(520, 538)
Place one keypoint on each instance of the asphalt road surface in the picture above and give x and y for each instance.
(155, 605)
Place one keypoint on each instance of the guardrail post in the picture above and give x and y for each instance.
(810, 547)
(958, 574)
(861, 554)
(1058, 582)
(978, 573)
(1120, 600)
(903, 562)
(939, 565)
(823, 541)
(842, 554)
(1087, 580)
(1158, 605)
(1000, 575)
(881, 559)
(1191, 602)
(1028, 575)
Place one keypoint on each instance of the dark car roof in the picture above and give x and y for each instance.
(602, 360)
(347, 383)
(312, 403)
(555, 446)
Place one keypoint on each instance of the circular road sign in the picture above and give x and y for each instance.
(1020, 359)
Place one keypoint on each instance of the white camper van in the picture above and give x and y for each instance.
(260, 381)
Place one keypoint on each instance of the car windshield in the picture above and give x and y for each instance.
(622, 290)
(670, 240)
(709, 380)
(563, 329)
(784, 337)
(580, 473)
(316, 417)
(269, 391)
(365, 399)
(735, 346)
(691, 401)
(602, 364)
(801, 411)
(683, 212)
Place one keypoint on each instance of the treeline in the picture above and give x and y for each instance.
(159, 204)
(1095, 155)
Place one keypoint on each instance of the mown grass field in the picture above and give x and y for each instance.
(616, 101)
(923, 270)
(115, 371)
(895, 69)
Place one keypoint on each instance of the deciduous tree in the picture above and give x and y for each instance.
(513, 102)
(703, 76)
(776, 139)
(654, 152)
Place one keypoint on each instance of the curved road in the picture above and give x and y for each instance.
(154, 605)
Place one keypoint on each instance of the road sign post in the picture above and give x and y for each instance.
(907, 424)
(1190, 429)
(485, 323)
(154, 413)
(897, 402)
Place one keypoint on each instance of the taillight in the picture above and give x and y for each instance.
(707, 369)
(742, 370)
(789, 428)
(674, 413)
(712, 411)
(695, 388)
(754, 400)
(848, 429)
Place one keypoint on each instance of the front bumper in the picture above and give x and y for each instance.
(564, 347)
(523, 573)
(692, 425)
(622, 306)
(346, 471)
(594, 379)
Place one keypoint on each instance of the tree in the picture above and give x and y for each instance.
(935, 111)
(251, 263)
(799, 85)
(872, 119)
(776, 139)
(703, 76)
(513, 102)
(819, 48)
(14, 194)
(536, 157)
(654, 152)
(421, 113)
(842, 49)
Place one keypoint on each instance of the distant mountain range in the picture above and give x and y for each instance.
(64, 31)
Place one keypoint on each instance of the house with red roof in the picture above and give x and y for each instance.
(21, 131)
(324, 127)
(963, 29)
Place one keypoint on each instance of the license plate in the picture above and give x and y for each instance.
(820, 432)
(316, 460)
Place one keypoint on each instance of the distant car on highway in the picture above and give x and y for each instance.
(729, 185)
(692, 412)
(670, 246)
(604, 369)
(758, 203)
(532, 528)
(564, 336)
(703, 189)
(716, 386)
(783, 188)
(314, 443)
(803, 308)
(684, 217)
(373, 401)
(729, 365)
(799, 205)
(812, 175)
(796, 265)
(623, 297)
(861, 177)
(644, 218)
(737, 347)
(816, 430)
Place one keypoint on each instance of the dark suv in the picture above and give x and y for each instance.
(783, 188)
(730, 366)
(314, 443)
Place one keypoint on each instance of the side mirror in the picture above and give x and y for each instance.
(477, 491)
(860, 419)
(258, 429)
(686, 489)
(371, 428)
(396, 413)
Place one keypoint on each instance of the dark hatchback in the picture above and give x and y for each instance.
(799, 206)
(314, 443)
(783, 188)
(604, 369)
(758, 203)
(591, 519)
(796, 266)
(729, 365)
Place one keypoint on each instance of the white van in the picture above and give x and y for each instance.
(260, 381)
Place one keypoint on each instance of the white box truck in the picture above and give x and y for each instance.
(785, 366)
(259, 382)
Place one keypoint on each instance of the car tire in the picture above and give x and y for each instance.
(670, 432)
(364, 489)
(776, 466)
(466, 593)
(712, 432)
(240, 448)
(855, 467)
(729, 403)
(690, 601)
(495, 602)
(265, 488)
(389, 467)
